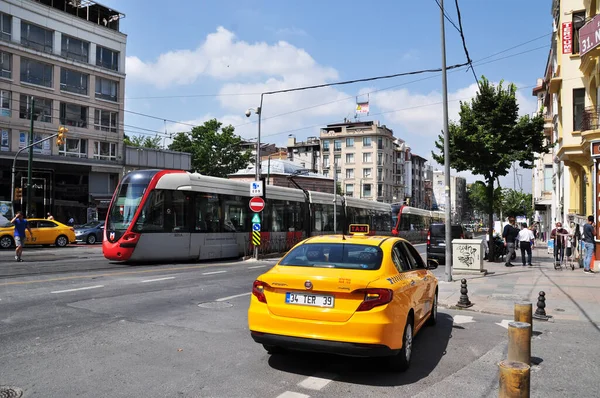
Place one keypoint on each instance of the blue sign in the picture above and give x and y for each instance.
(3, 209)
(256, 227)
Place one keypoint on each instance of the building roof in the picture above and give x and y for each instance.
(278, 166)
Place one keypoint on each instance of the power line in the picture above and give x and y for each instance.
(464, 43)
(447, 16)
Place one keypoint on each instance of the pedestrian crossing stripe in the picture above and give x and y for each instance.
(256, 238)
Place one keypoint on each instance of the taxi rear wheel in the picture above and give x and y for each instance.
(6, 242)
(62, 241)
(401, 361)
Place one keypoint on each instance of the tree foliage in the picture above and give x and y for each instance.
(216, 150)
(142, 142)
(477, 198)
(490, 136)
(516, 203)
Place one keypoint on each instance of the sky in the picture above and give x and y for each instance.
(190, 61)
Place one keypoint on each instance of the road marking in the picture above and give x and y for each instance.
(257, 266)
(234, 296)
(158, 279)
(291, 394)
(213, 272)
(504, 323)
(317, 382)
(459, 319)
(78, 289)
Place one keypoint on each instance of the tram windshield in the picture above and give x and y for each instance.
(128, 199)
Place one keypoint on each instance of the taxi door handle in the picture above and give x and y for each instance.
(412, 283)
(426, 278)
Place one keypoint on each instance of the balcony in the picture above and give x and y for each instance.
(590, 119)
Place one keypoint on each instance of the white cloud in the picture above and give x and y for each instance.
(222, 56)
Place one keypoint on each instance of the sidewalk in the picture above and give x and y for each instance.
(570, 294)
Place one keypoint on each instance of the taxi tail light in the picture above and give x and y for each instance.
(258, 290)
(428, 238)
(374, 298)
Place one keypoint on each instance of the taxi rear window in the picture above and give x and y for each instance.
(334, 255)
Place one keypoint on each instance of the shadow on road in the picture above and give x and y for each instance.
(429, 347)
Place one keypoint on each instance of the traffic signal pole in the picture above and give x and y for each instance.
(30, 163)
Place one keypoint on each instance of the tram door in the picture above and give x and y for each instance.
(178, 224)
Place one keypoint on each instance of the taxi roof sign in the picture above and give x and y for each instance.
(359, 229)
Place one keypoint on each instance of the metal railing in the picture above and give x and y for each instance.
(590, 119)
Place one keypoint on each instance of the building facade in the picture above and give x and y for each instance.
(62, 64)
(401, 149)
(458, 193)
(418, 171)
(362, 155)
(306, 153)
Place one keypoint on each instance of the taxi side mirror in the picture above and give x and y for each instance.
(432, 264)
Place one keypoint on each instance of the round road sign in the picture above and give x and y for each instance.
(257, 204)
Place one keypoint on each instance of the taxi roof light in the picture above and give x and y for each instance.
(375, 298)
(358, 229)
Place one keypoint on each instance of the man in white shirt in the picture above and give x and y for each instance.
(525, 238)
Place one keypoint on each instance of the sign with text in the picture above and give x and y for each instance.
(589, 35)
(567, 37)
(359, 228)
(256, 188)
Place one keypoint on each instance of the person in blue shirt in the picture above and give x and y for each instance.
(588, 241)
(21, 225)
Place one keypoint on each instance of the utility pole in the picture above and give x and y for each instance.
(448, 208)
(30, 163)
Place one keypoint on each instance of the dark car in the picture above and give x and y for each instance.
(436, 241)
(90, 233)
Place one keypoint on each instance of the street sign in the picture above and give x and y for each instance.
(256, 218)
(256, 238)
(256, 227)
(256, 188)
(257, 204)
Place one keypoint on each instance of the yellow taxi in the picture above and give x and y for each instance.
(45, 232)
(355, 295)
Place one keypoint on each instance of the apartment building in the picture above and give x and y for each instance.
(362, 156)
(418, 172)
(305, 153)
(64, 63)
(400, 149)
(458, 193)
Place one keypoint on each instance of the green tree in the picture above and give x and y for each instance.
(142, 142)
(490, 136)
(516, 203)
(477, 198)
(214, 153)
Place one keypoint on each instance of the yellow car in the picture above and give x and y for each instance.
(45, 232)
(352, 295)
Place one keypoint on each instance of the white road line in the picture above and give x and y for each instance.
(158, 279)
(257, 266)
(291, 394)
(213, 272)
(234, 296)
(78, 289)
(317, 381)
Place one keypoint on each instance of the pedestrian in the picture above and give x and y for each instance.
(559, 234)
(510, 234)
(525, 238)
(21, 224)
(49, 217)
(588, 242)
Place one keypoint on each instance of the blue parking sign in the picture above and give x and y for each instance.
(256, 227)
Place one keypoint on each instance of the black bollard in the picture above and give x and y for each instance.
(540, 312)
(464, 301)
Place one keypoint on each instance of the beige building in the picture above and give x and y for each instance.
(362, 155)
(67, 59)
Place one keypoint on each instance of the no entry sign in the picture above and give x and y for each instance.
(257, 204)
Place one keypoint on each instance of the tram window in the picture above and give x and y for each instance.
(292, 217)
(317, 216)
(277, 212)
(177, 212)
(208, 213)
(151, 218)
(235, 214)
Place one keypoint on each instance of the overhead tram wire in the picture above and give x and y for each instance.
(447, 16)
(464, 43)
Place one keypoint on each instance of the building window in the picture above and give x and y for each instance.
(379, 142)
(379, 174)
(42, 108)
(326, 161)
(5, 65)
(337, 145)
(73, 115)
(578, 108)
(366, 141)
(107, 89)
(350, 190)
(349, 173)
(4, 140)
(76, 49)
(338, 175)
(107, 58)
(367, 157)
(326, 145)
(379, 159)
(74, 147)
(367, 190)
(367, 173)
(5, 27)
(578, 22)
(36, 37)
(349, 158)
(326, 173)
(105, 120)
(105, 150)
(336, 160)
(349, 142)
(548, 172)
(73, 81)
(379, 190)
(35, 72)
(5, 103)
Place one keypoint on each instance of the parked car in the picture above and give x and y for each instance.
(90, 233)
(436, 241)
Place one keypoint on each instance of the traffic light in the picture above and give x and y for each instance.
(18, 193)
(60, 139)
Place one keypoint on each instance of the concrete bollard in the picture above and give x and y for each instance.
(514, 380)
(519, 342)
(523, 313)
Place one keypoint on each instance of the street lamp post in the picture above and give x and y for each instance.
(258, 111)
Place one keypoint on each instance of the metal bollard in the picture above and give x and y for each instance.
(514, 380)
(519, 342)
(540, 312)
(464, 301)
(523, 314)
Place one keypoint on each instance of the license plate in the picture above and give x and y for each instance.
(314, 300)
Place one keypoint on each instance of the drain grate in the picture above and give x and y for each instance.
(10, 392)
(214, 305)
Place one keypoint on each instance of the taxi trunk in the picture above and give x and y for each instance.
(315, 293)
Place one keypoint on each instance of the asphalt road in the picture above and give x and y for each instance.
(89, 328)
